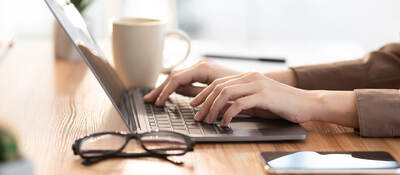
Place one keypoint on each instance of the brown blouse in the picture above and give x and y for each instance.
(375, 78)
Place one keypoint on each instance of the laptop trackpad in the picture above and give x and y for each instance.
(257, 126)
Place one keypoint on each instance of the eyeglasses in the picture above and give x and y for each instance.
(105, 145)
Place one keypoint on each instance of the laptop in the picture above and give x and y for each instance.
(177, 115)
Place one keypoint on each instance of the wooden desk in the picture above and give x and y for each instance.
(51, 103)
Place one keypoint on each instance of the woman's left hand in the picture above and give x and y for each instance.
(247, 91)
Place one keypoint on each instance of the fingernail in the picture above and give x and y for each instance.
(223, 123)
(208, 120)
(196, 117)
(157, 101)
(194, 103)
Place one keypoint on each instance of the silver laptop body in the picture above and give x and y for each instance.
(177, 115)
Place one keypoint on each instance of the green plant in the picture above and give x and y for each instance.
(81, 5)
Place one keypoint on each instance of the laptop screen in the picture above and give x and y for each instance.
(73, 23)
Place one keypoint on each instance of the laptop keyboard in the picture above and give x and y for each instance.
(177, 115)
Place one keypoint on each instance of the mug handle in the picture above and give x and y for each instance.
(182, 35)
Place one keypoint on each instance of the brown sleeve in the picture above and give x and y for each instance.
(378, 69)
(378, 112)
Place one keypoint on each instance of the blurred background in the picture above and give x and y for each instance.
(369, 23)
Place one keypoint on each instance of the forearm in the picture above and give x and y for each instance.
(328, 106)
(335, 107)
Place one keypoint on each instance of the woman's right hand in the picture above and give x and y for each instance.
(205, 71)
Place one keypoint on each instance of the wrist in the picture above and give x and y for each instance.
(334, 106)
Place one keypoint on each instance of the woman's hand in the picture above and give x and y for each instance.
(252, 91)
(205, 71)
(230, 93)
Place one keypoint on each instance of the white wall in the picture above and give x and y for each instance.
(6, 24)
(368, 22)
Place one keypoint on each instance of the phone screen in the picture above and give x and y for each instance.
(330, 162)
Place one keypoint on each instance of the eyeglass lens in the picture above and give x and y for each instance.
(165, 143)
(101, 144)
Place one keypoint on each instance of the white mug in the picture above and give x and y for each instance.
(138, 45)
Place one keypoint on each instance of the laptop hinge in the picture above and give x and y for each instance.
(126, 108)
(132, 111)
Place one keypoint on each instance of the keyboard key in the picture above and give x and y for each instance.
(209, 129)
(179, 127)
(191, 123)
(188, 117)
(175, 117)
(186, 111)
(193, 126)
(178, 124)
(161, 115)
(195, 131)
(185, 108)
(159, 110)
(172, 113)
(164, 126)
(163, 123)
(225, 130)
(162, 120)
(166, 129)
(181, 131)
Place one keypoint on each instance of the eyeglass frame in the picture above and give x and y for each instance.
(119, 152)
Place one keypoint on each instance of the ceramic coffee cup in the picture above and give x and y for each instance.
(138, 45)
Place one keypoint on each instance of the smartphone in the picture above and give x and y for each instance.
(309, 162)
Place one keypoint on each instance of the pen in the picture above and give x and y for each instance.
(264, 59)
(7, 47)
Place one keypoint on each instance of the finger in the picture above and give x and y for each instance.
(152, 96)
(189, 90)
(229, 93)
(176, 81)
(205, 92)
(202, 96)
(199, 66)
(204, 110)
(226, 107)
(239, 105)
(196, 73)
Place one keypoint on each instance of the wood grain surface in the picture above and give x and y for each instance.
(49, 103)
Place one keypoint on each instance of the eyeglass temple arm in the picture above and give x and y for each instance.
(92, 161)
(132, 154)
